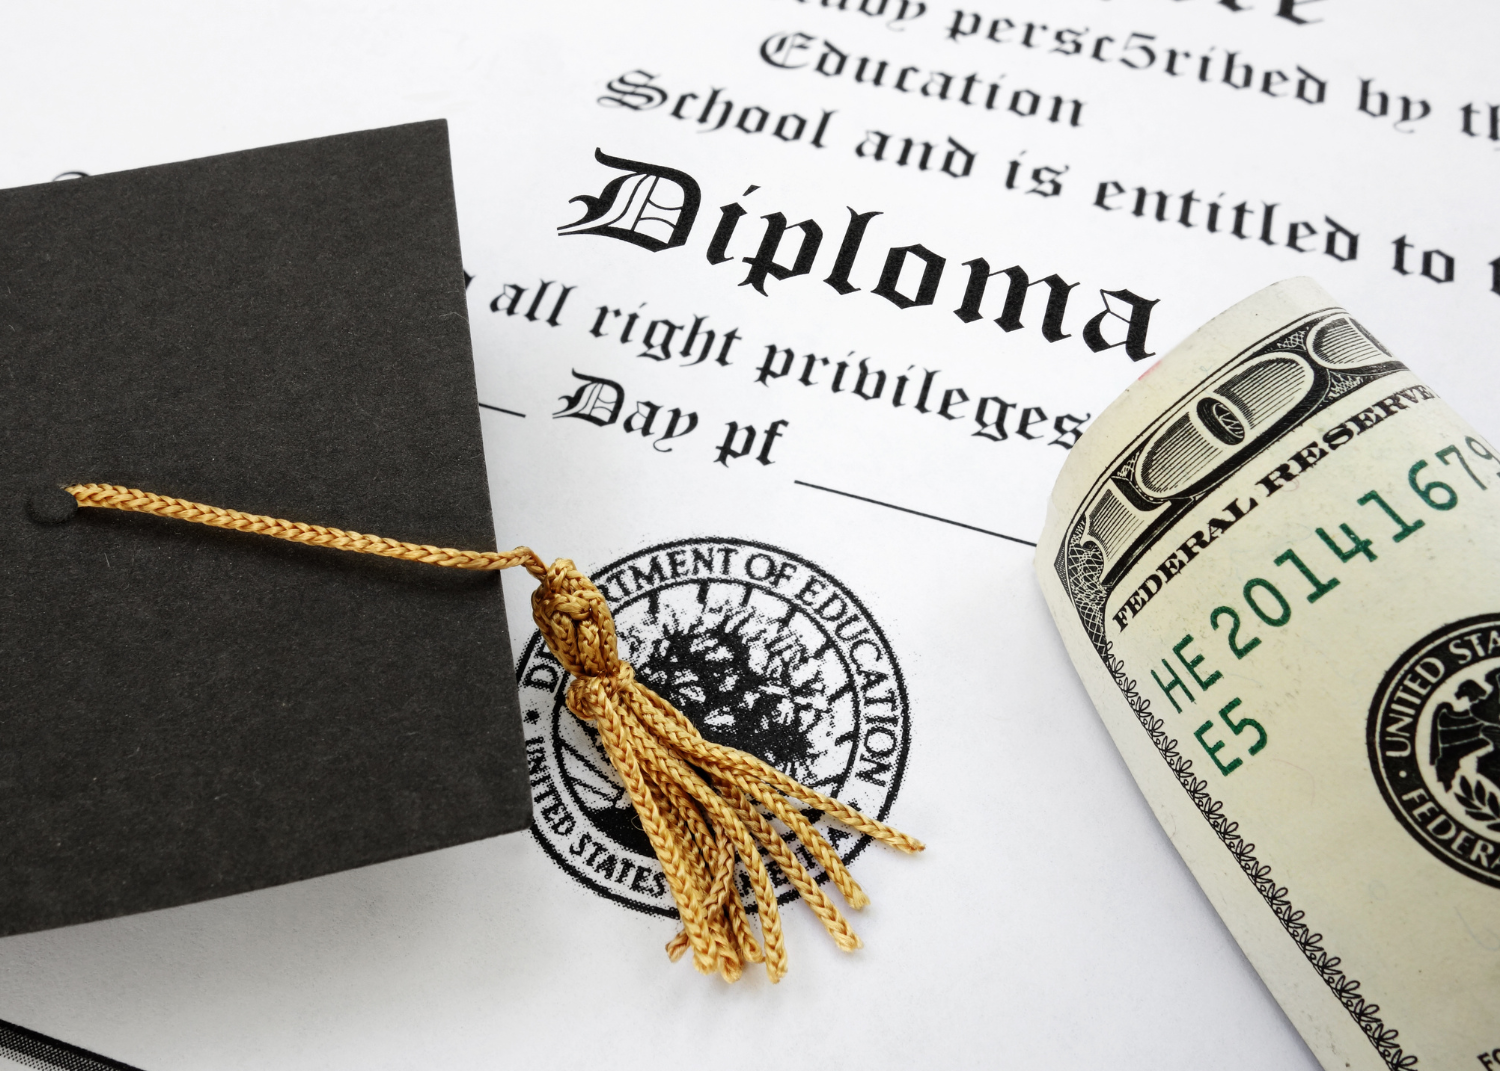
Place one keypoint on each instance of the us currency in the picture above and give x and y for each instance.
(1273, 561)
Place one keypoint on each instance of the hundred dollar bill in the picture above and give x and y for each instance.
(1274, 563)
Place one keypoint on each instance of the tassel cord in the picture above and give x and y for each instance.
(704, 807)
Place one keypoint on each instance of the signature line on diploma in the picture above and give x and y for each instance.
(497, 409)
(916, 512)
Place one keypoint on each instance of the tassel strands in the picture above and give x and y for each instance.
(704, 806)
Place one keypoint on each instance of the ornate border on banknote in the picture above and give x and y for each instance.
(1242, 408)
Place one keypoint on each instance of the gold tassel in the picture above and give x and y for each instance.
(703, 806)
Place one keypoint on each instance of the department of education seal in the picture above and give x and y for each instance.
(765, 652)
(1434, 741)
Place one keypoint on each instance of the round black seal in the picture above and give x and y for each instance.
(1434, 740)
(765, 652)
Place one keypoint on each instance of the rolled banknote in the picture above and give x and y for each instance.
(1275, 563)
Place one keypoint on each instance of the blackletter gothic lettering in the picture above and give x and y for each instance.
(627, 200)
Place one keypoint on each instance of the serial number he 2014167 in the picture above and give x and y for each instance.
(1274, 610)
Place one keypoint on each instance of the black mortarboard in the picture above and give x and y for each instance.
(189, 712)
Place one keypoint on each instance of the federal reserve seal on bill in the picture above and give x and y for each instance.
(767, 653)
(1434, 741)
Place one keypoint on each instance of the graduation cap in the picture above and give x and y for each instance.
(189, 713)
(194, 710)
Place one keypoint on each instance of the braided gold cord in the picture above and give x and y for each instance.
(108, 496)
(703, 806)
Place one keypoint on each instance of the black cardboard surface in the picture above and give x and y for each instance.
(185, 712)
